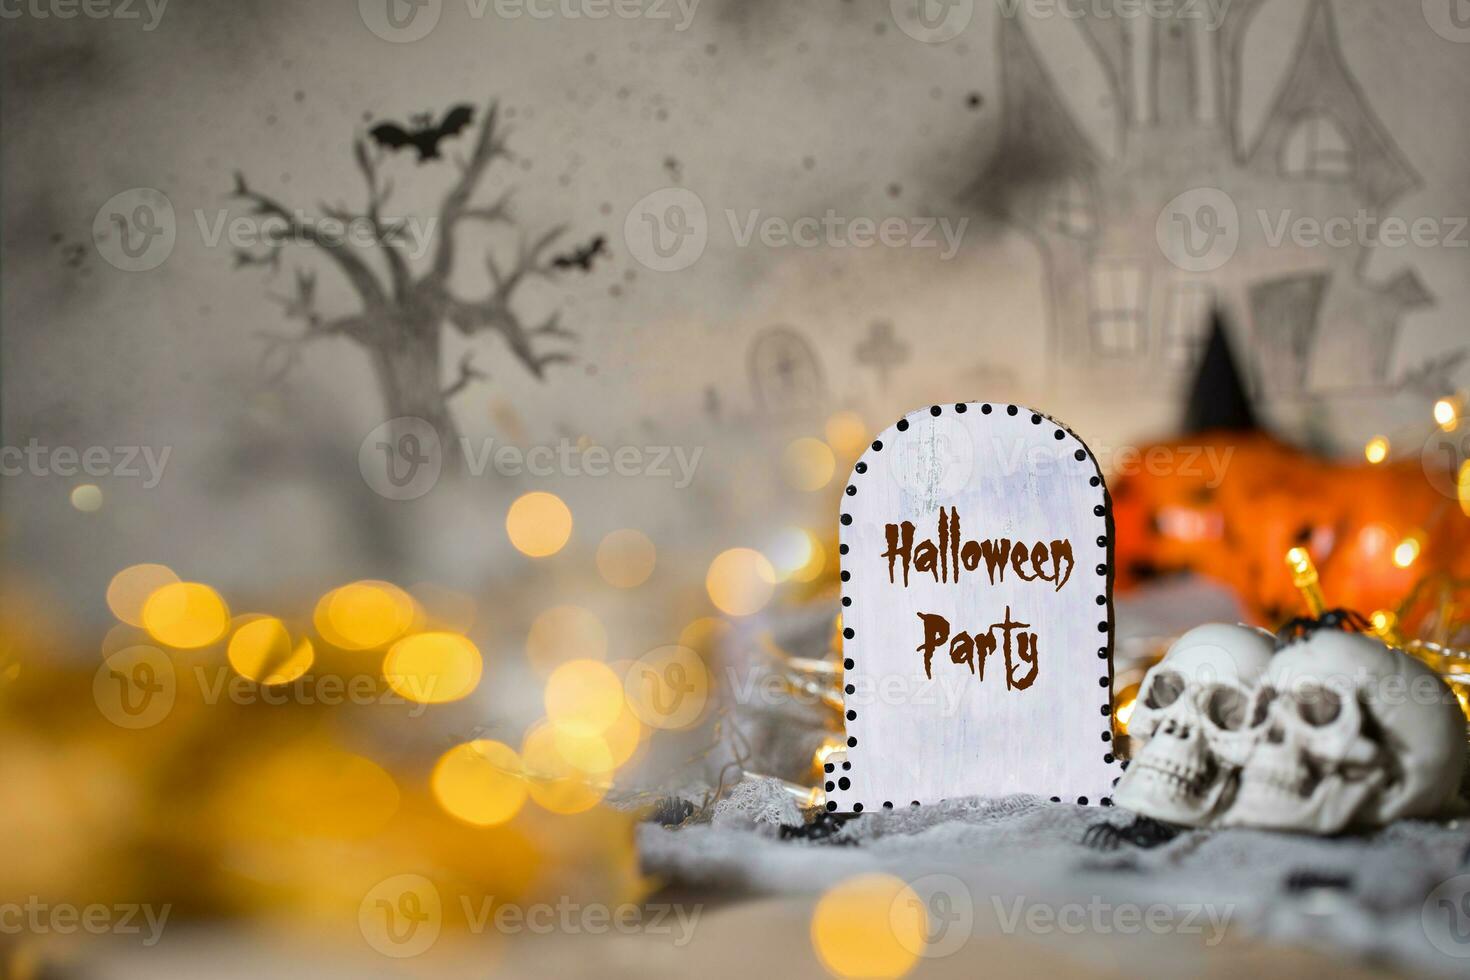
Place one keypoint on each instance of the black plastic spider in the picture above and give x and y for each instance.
(821, 828)
(1302, 627)
(1144, 832)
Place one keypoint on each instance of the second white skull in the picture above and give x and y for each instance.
(1189, 725)
(1349, 733)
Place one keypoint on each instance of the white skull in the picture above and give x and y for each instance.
(1348, 732)
(1189, 725)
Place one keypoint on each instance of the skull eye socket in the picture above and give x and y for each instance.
(1262, 709)
(1165, 690)
(1318, 706)
(1227, 707)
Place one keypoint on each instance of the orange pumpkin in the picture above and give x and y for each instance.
(1351, 519)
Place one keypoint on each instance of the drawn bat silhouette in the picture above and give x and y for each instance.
(424, 136)
(581, 258)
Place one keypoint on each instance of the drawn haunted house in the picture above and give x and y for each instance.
(1312, 320)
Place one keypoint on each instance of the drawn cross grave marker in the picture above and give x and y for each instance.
(976, 551)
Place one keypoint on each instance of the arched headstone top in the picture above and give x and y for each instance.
(976, 553)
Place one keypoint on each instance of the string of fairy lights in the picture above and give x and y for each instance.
(595, 722)
(594, 725)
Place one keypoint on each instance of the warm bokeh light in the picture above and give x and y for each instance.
(480, 782)
(131, 587)
(624, 735)
(555, 784)
(1123, 705)
(307, 789)
(796, 555)
(740, 581)
(824, 752)
(706, 634)
(847, 434)
(1447, 412)
(364, 615)
(538, 524)
(122, 636)
(1383, 621)
(584, 697)
(625, 558)
(1373, 539)
(562, 634)
(1406, 552)
(873, 925)
(599, 755)
(1376, 451)
(87, 498)
(588, 754)
(432, 668)
(262, 651)
(1462, 486)
(668, 688)
(186, 615)
(1304, 576)
(808, 464)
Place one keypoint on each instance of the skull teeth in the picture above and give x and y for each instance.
(1181, 779)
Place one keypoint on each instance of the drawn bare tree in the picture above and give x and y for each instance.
(401, 321)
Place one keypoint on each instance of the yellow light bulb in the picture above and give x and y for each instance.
(1376, 451)
(872, 925)
(538, 524)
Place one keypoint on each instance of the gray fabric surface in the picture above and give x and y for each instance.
(993, 856)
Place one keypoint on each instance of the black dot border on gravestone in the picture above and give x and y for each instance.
(1104, 571)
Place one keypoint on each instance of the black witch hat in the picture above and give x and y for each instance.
(1218, 399)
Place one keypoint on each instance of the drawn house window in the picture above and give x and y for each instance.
(1070, 209)
(1317, 147)
(1119, 317)
(1186, 321)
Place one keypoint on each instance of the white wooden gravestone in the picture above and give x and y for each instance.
(977, 614)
